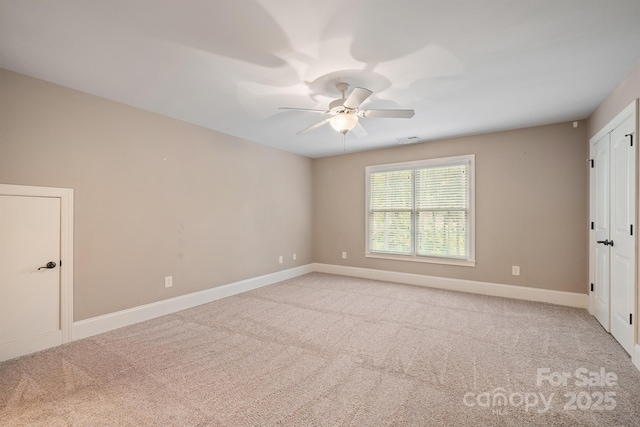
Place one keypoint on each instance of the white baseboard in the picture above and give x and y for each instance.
(570, 299)
(108, 322)
(119, 319)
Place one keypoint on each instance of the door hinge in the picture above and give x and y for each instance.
(60, 263)
(631, 318)
(631, 227)
(593, 226)
(592, 163)
(592, 287)
(631, 136)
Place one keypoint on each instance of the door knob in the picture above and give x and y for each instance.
(49, 265)
(605, 242)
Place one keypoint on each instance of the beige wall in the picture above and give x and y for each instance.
(531, 207)
(157, 197)
(153, 196)
(620, 97)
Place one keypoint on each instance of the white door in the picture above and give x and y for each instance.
(29, 294)
(600, 185)
(623, 161)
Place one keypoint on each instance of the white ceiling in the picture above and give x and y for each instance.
(466, 67)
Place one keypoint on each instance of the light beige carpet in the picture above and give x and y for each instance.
(329, 350)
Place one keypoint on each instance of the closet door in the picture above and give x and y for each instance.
(613, 241)
(623, 164)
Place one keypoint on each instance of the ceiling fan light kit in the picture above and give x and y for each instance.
(344, 122)
(345, 110)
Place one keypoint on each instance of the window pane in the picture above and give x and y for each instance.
(442, 234)
(422, 209)
(391, 190)
(390, 232)
(442, 188)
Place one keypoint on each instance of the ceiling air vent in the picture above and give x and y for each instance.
(407, 140)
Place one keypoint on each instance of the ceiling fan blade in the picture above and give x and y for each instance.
(313, 110)
(316, 126)
(357, 97)
(359, 131)
(392, 114)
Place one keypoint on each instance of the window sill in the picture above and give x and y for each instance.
(430, 260)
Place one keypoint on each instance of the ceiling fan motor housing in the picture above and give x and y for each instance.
(337, 106)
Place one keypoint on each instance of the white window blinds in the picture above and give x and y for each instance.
(421, 209)
(442, 205)
(391, 212)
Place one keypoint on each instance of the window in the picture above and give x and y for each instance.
(422, 211)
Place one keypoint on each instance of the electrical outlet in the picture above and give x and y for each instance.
(515, 270)
(294, 257)
(344, 255)
(280, 260)
(168, 281)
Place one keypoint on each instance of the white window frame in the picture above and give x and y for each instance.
(470, 261)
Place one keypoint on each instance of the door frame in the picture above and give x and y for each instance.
(66, 245)
(594, 287)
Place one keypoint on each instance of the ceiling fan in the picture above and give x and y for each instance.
(344, 111)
